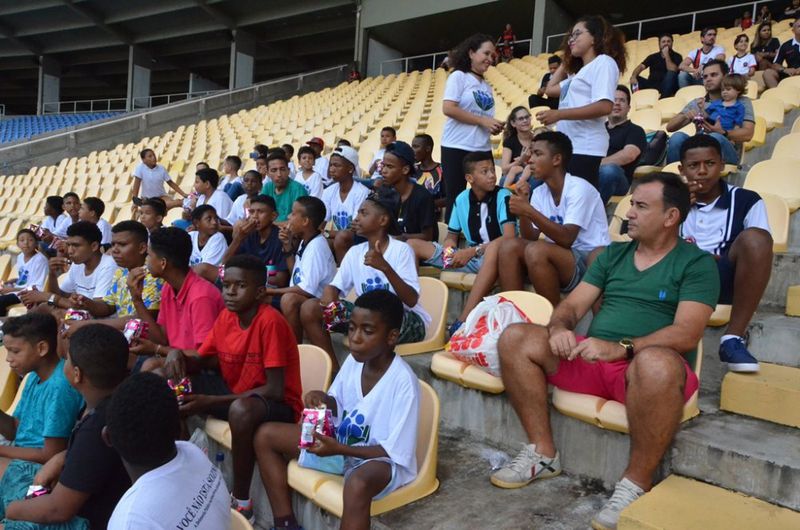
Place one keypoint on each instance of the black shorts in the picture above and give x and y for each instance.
(210, 383)
(727, 272)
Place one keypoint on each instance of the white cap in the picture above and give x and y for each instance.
(348, 153)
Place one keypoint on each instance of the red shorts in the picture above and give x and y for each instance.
(605, 380)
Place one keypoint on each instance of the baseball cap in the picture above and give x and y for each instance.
(388, 200)
(403, 151)
(348, 153)
(316, 140)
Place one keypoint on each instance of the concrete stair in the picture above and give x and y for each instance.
(766, 395)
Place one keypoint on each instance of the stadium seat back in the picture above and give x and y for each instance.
(777, 176)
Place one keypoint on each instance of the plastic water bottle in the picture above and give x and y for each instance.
(219, 459)
(271, 272)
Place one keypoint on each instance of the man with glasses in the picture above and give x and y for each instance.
(692, 66)
(731, 140)
(626, 143)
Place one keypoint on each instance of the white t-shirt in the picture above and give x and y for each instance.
(353, 274)
(386, 416)
(96, 284)
(475, 96)
(321, 167)
(312, 184)
(63, 222)
(379, 159)
(153, 180)
(705, 57)
(105, 229)
(292, 169)
(186, 492)
(238, 211)
(596, 81)
(49, 223)
(742, 65)
(581, 206)
(314, 266)
(343, 212)
(219, 200)
(32, 272)
(211, 253)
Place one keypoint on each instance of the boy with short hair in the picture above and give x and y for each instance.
(380, 262)
(151, 214)
(251, 183)
(208, 243)
(731, 223)
(483, 237)
(72, 205)
(231, 182)
(376, 434)
(317, 144)
(254, 350)
(92, 210)
(41, 423)
(309, 258)
(280, 187)
(205, 184)
(32, 270)
(168, 476)
(149, 177)
(88, 478)
(288, 149)
(567, 211)
(416, 218)
(429, 172)
(305, 175)
(53, 210)
(388, 136)
(261, 167)
(90, 273)
(343, 199)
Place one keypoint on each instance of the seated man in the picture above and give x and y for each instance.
(281, 187)
(208, 243)
(626, 143)
(142, 424)
(693, 66)
(657, 293)
(567, 211)
(663, 66)
(416, 218)
(731, 223)
(540, 99)
(90, 273)
(787, 54)
(730, 141)
(483, 237)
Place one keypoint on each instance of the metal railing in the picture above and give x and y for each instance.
(146, 102)
(85, 106)
(693, 14)
(2, 110)
(423, 60)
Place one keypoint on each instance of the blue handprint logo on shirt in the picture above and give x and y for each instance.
(23, 278)
(484, 100)
(373, 284)
(194, 261)
(352, 430)
(557, 219)
(296, 276)
(342, 220)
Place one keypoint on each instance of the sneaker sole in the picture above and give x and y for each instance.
(743, 367)
(516, 485)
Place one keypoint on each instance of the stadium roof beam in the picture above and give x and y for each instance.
(9, 33)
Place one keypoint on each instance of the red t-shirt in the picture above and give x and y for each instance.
(243, 354)
(188, 317)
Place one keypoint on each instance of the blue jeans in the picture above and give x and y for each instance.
(612, 181)
(729, 153)
(667, 87)
(687, 79)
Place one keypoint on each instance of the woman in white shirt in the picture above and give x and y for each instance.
(585, 83)
(743, 62)
(469, 107)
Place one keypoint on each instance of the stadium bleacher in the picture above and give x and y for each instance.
(714, 455)
(15, 128)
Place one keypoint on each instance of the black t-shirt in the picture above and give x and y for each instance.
(627, 133)
(789, 53)
(658, 65)
(93, 467)
(545, 79)
(513, 143)
(417, 212)
(770, 47)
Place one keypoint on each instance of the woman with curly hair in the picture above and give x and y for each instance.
(469, 107)
(586, 81)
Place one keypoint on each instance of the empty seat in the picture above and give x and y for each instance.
(777, 176)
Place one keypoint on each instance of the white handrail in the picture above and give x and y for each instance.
(433, 56)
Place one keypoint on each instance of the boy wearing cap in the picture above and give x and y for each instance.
(416, 218)
(321, 163)
(342, 199)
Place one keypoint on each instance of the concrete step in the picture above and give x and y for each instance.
(743, 454)
(772, 394)
(774, 338)
(694, 500)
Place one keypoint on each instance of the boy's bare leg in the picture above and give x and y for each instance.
(360, 487)
(290, 307)
(273, 443)
(311, 317)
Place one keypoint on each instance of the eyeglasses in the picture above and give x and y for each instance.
(527, 117)
(575, 34)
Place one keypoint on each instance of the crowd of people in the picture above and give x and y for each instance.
(262, 262)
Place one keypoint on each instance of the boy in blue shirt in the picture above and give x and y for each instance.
(728, 110)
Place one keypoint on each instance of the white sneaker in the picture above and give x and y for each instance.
(625, 492)
(525, 468)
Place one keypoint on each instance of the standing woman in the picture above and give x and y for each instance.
(469, 107)
(585, 83)
(765, 46)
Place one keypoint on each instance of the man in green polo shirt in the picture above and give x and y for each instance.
(280, 187)
(657, 293)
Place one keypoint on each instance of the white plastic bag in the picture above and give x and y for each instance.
(476, 341)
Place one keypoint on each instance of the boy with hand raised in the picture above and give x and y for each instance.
(87, 479)
(254, 350)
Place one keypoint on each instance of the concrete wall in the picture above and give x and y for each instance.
(378, 52)
(377, 12)
(80, 141)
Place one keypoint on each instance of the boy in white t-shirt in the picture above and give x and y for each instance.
(208, 243)
(288, 150)
(308, 257)
(31, 271)
(231, 182)
(251, 183)
(169, 477)
(306, 175)
(343, 199)
(317, 144)
(206, 182)
(92, 210)
(72, 205)
(567, 211)
(380, 262)
(149, 178)
(375, 402)
(388, 136)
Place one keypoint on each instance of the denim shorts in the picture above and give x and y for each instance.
(472, 265)
(580, 269)
(351, 464)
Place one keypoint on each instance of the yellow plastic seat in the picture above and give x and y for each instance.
(615, 224)
(326, 491)
(647, 119)
(779, 220)
(721, 316)
(9, 381)
(538, 310)
(759, 134)
(610, 414)
(688, 93)
(771, 110)
(18, 394)
(788, 146)
(788, 95)
(239, 522)
(316, 368)
(777, 176)
(645, 98)
(433, 297)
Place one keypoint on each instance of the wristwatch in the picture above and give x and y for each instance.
(52, 300)
(479, 250)
(628, 345)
